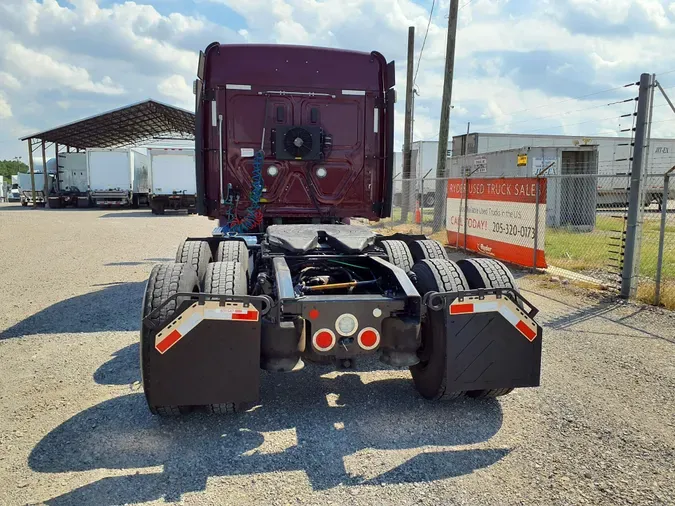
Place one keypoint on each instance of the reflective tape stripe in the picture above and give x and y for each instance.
(504, 306)
(169, 341)
(356, 93)
(526, 331)
(195, 314)
(245, 87)
(461, 308)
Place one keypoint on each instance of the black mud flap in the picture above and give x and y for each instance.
(207, 352)
(492, 341)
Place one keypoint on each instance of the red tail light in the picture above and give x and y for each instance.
(369, 338)
(324, 339)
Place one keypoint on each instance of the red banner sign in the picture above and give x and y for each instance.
(500, 216)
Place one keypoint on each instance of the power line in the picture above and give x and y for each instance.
(572, 98)
(419, 60)
(464, 5)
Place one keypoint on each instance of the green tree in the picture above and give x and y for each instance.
(10, 167)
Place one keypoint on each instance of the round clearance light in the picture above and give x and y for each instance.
(369, 338)
(272, 170)
(377, 312)
(321, 172)
(346, 324)
(323, 339)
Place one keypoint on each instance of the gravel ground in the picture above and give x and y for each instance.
(75, 428)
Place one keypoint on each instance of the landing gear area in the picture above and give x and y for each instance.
(233, 305)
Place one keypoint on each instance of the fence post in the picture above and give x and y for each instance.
(536, 225)
(631, 265)
(466, 210)
(662, 236)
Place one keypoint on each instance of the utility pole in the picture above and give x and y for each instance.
(631, 259)
(407, 134)
(444, 127)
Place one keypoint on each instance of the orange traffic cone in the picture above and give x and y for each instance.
(418, 215)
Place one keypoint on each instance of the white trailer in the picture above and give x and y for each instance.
(172, 175)
(73, 181)
(614, 154)
(112, 174)
(26, 188)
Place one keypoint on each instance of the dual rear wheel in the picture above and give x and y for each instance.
(434, 272)
(193, 272)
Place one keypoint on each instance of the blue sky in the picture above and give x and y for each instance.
(521, 64)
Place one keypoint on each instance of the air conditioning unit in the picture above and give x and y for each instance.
(304, 143)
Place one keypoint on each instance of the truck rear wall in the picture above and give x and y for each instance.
(263, 88)
(109, 170)
(172, 171)
(73, 172)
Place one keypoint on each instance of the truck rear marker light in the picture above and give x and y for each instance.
(195, 314)
(313, 314)
(504, 306)
(369, 338)
(355, 93)
(244, 87)
(324, 339)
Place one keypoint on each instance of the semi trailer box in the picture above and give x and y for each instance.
(172, 172)
(112, 173)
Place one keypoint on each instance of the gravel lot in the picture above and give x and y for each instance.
(75, 428)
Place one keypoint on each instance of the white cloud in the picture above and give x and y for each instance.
(87, 58)
(9, 82)
(176, 88)
(48, 72)
(5, 108)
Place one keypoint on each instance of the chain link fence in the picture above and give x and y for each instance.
(582, 233)
(656, 284)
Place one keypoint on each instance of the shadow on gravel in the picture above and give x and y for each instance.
(388, 415)
(114, 308)
(123, 369)
(605, 309)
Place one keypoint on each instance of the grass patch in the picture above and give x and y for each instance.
(647, 293)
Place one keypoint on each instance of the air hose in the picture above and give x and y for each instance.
(253, 216)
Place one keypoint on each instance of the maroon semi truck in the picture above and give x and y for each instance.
(291, 142)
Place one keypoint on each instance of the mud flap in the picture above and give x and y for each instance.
(208, 352)
(492, 342)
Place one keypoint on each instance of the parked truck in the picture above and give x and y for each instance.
(26, 188)
(172, 173)
(72, 181)
(117, 177)
(14, 190)
(288, 147)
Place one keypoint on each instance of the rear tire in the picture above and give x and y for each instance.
(487, 273)
(195, 253)
(427, 249)
(398, 254)
(430, 375)
(232, 251)
(225, 278)
(165, 280)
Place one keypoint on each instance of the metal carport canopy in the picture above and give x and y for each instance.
(129, 125)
